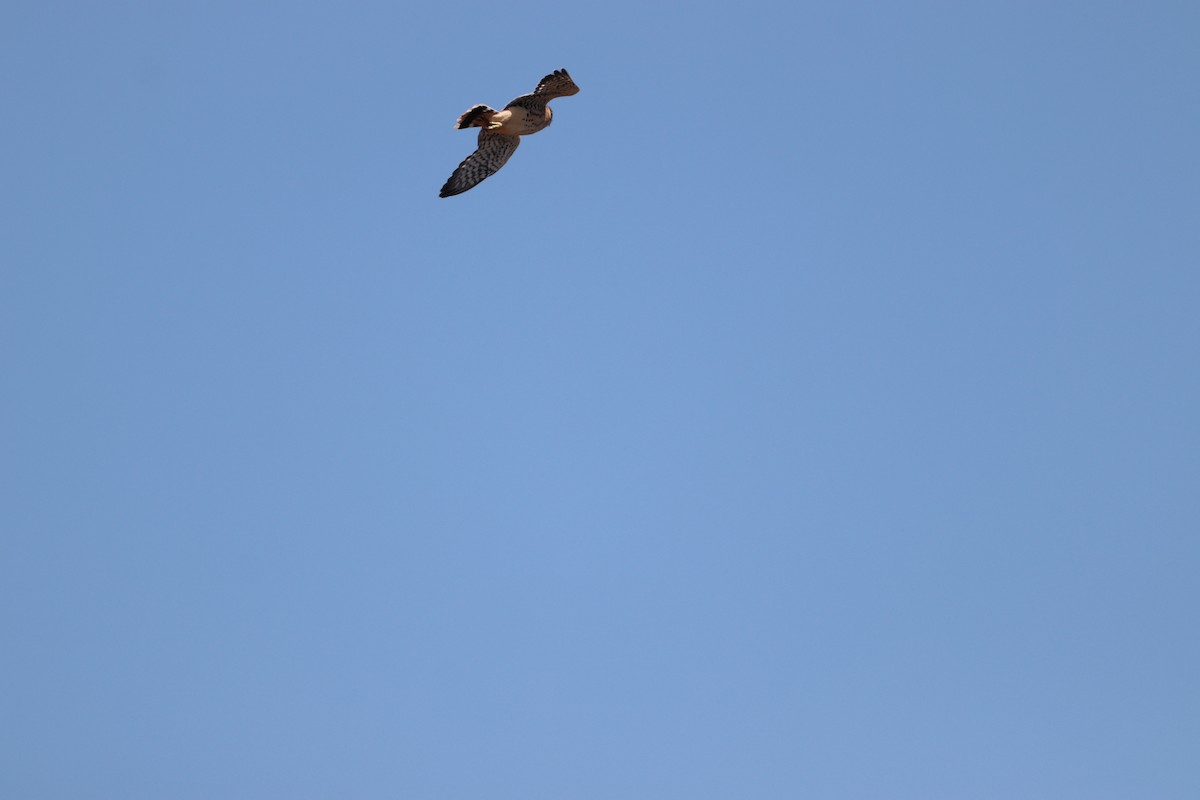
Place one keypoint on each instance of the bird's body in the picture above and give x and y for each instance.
(501, 130)
(521, 120)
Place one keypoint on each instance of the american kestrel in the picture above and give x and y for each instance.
(502, 130)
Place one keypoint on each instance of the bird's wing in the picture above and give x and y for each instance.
(493, 151)
(556, 84)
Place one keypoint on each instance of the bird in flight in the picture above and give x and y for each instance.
(501, 131)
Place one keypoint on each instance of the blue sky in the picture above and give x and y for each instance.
(811, 411)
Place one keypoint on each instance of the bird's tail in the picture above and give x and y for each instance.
(478, 116)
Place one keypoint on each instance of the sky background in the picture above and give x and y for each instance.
(812, 411)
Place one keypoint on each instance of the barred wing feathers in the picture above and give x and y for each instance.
(493, 152)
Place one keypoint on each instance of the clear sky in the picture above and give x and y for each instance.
(812, 411)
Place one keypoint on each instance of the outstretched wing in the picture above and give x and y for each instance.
(494, 150)
(556, 84)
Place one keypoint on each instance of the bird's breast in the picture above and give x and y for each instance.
(522, 121)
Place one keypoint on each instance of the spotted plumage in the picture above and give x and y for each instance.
(502, 130)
